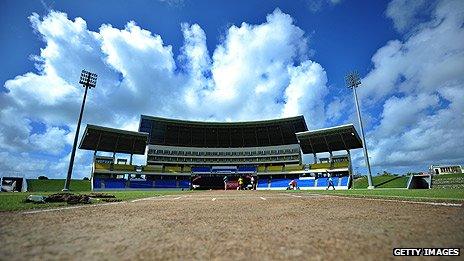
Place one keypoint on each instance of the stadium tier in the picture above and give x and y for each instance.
(198, 155)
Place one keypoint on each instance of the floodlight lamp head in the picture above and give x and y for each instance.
(352, 80)
(88, 79)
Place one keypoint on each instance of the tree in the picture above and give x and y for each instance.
(85, 178)
(42, 177)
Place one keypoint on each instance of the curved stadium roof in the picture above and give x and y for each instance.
(173, 132)
(99, 138)
(344, 137)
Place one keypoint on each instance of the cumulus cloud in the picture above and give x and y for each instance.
(418, 84)
(256, 72)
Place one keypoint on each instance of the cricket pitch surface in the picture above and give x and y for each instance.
(231, 225)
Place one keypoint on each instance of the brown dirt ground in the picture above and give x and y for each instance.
(237, 225)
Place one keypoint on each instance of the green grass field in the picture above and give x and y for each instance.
(15, 201)
(441, 195)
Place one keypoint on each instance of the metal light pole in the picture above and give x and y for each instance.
(88, 81)
(353, 82)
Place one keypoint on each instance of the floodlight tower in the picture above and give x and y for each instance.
(353, 82)
(88, 81)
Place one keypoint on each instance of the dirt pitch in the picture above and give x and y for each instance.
(250, 225)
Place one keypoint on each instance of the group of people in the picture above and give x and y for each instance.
(241, 183)
(253, 181)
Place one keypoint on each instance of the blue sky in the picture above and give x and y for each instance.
(233, 60)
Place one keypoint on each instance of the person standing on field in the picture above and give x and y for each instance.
(252, 181)
(225, 182)
(330, 183)
(240, 183)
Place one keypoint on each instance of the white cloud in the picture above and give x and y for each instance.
(317, 5)
(21, 164)
(405, 14)
(419, 85)
(53, 140)
(255, 72)
(305, 92)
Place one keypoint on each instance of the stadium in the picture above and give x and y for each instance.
(190, 154)
(174, 206)
(238, 130)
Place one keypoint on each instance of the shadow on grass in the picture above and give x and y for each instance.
(387, 181)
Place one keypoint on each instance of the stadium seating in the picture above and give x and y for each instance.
(165, 183)
(96, 183)
(187, 169)
(322, 182)
(113, 183)
(293, 167)
(280, 183)
(262, 183)
(247, 169)
(201, 169)
(152, 168)
(261, 168)
(141, 184)
(341, 164)
(184, 184)
(344, 181)
(305, 183)
(274, 168)
(123, 167)
(224, 169)
(320, 165)
(172, 169)
(102, 166)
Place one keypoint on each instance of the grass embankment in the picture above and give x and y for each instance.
(447, 176)
(55, 185)
(389, 186)
(384, 181)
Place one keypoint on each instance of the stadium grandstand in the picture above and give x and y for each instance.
(192, 154)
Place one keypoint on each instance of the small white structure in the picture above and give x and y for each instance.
(13, 183)
(420, 181)
(445, 169)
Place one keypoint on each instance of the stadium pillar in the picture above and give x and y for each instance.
(88, 80)
(73, 152)
(353, 82)
(350, 167)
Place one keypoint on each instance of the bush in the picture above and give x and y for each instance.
(85, 178)
(42, 178)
